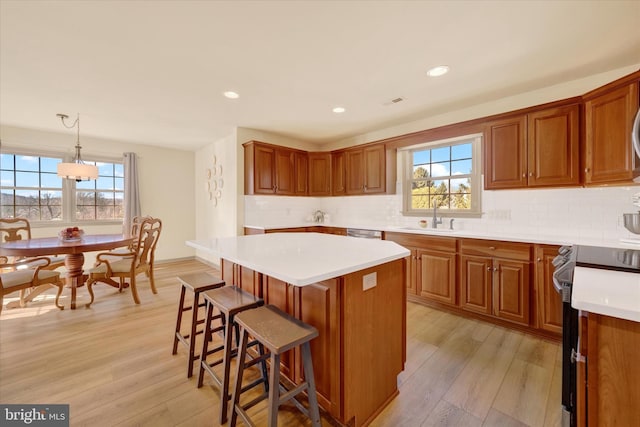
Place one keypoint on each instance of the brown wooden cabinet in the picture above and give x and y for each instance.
(270, 169)
(437, 275)
(285, 182)
(538, 149)
(319, 174)
(338, 173)
(608, 389)
(495, 279)
(432, 267)
(365, 170)
(349, 332)
(319, 305)
(548, 313)
(301, 173)
(505, 154)
(609, 113)
(553, 145)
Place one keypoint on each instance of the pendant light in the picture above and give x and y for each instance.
(77, 170)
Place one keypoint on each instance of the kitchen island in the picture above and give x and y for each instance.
(352, 290)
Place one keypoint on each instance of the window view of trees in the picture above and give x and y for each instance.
(442, 177)
(30, 188)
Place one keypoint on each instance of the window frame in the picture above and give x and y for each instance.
(69, 189)
(406, 160)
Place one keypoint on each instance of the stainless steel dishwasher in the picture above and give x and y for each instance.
(364, 234)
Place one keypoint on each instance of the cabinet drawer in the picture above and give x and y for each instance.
(495, 248)
(445, 244)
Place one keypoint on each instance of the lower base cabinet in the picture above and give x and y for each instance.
(495, 279)
(436, 275)
(608, 389)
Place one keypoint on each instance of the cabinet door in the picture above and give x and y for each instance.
(549, 303)
(608, 120)
(280, 294)
(553, 143)
(475, 283)
(285, 178)
(511, 290)
(437, 275)
(264, 170)
(506, 154)
(338, 173)
(355, 164)
(301, 171)
(319, 174)
(374, 169)
(321, 310)
(412, 272)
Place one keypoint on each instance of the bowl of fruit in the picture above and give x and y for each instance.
(71, 234)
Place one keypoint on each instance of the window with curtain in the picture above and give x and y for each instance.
(30, 188)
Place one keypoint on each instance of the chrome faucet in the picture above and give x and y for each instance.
(318, 216)
(435, 221)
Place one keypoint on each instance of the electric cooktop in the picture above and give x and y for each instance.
(619, 259)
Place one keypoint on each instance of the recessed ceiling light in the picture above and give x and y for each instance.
(231, 94)
(438, 71)
(339, 110)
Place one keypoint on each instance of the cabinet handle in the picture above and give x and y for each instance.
(586, 170)
(493, 248)
(495, 268)
(530, 173)
(488, 268)
(539, 259)
(524, 175)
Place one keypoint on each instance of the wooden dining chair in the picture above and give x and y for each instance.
(12, 229)
(14, 279)
(116, 268)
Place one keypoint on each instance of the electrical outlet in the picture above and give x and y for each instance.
(369, 281)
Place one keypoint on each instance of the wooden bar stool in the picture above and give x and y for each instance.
(229, 301)
(278, 332)
(196, 283)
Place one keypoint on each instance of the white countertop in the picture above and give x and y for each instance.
(607, 292)
(302, 258)
(505, 236)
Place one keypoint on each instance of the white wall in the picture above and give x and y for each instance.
(528, 99)
(165, 176)
(586, 213)
(544, 214)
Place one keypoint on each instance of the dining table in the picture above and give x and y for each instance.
(72, 249)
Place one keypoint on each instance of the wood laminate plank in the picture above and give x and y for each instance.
(112, 363)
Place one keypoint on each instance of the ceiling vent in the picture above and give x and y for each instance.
(394, 101)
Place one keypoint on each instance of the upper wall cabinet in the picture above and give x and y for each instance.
(270, 169)
(338, 173)
(538, 149)
(365, 170)
(609, 113)
(319, 174)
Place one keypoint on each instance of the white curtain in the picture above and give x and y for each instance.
(131, 191)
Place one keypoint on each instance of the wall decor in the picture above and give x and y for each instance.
(214, 182)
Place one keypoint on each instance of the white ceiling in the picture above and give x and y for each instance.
(153, 72)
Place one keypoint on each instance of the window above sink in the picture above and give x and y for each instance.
(444, 173)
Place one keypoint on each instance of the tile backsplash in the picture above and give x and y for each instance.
(571, 212)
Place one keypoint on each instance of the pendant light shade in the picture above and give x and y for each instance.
(77, 170)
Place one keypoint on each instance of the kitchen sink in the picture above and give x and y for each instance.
(428, 230)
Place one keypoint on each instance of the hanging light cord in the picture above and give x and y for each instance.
(77, 158)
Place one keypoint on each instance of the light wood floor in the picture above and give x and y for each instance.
(113, 364)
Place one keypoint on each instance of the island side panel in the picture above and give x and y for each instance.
(374, 340)
(318, 304)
